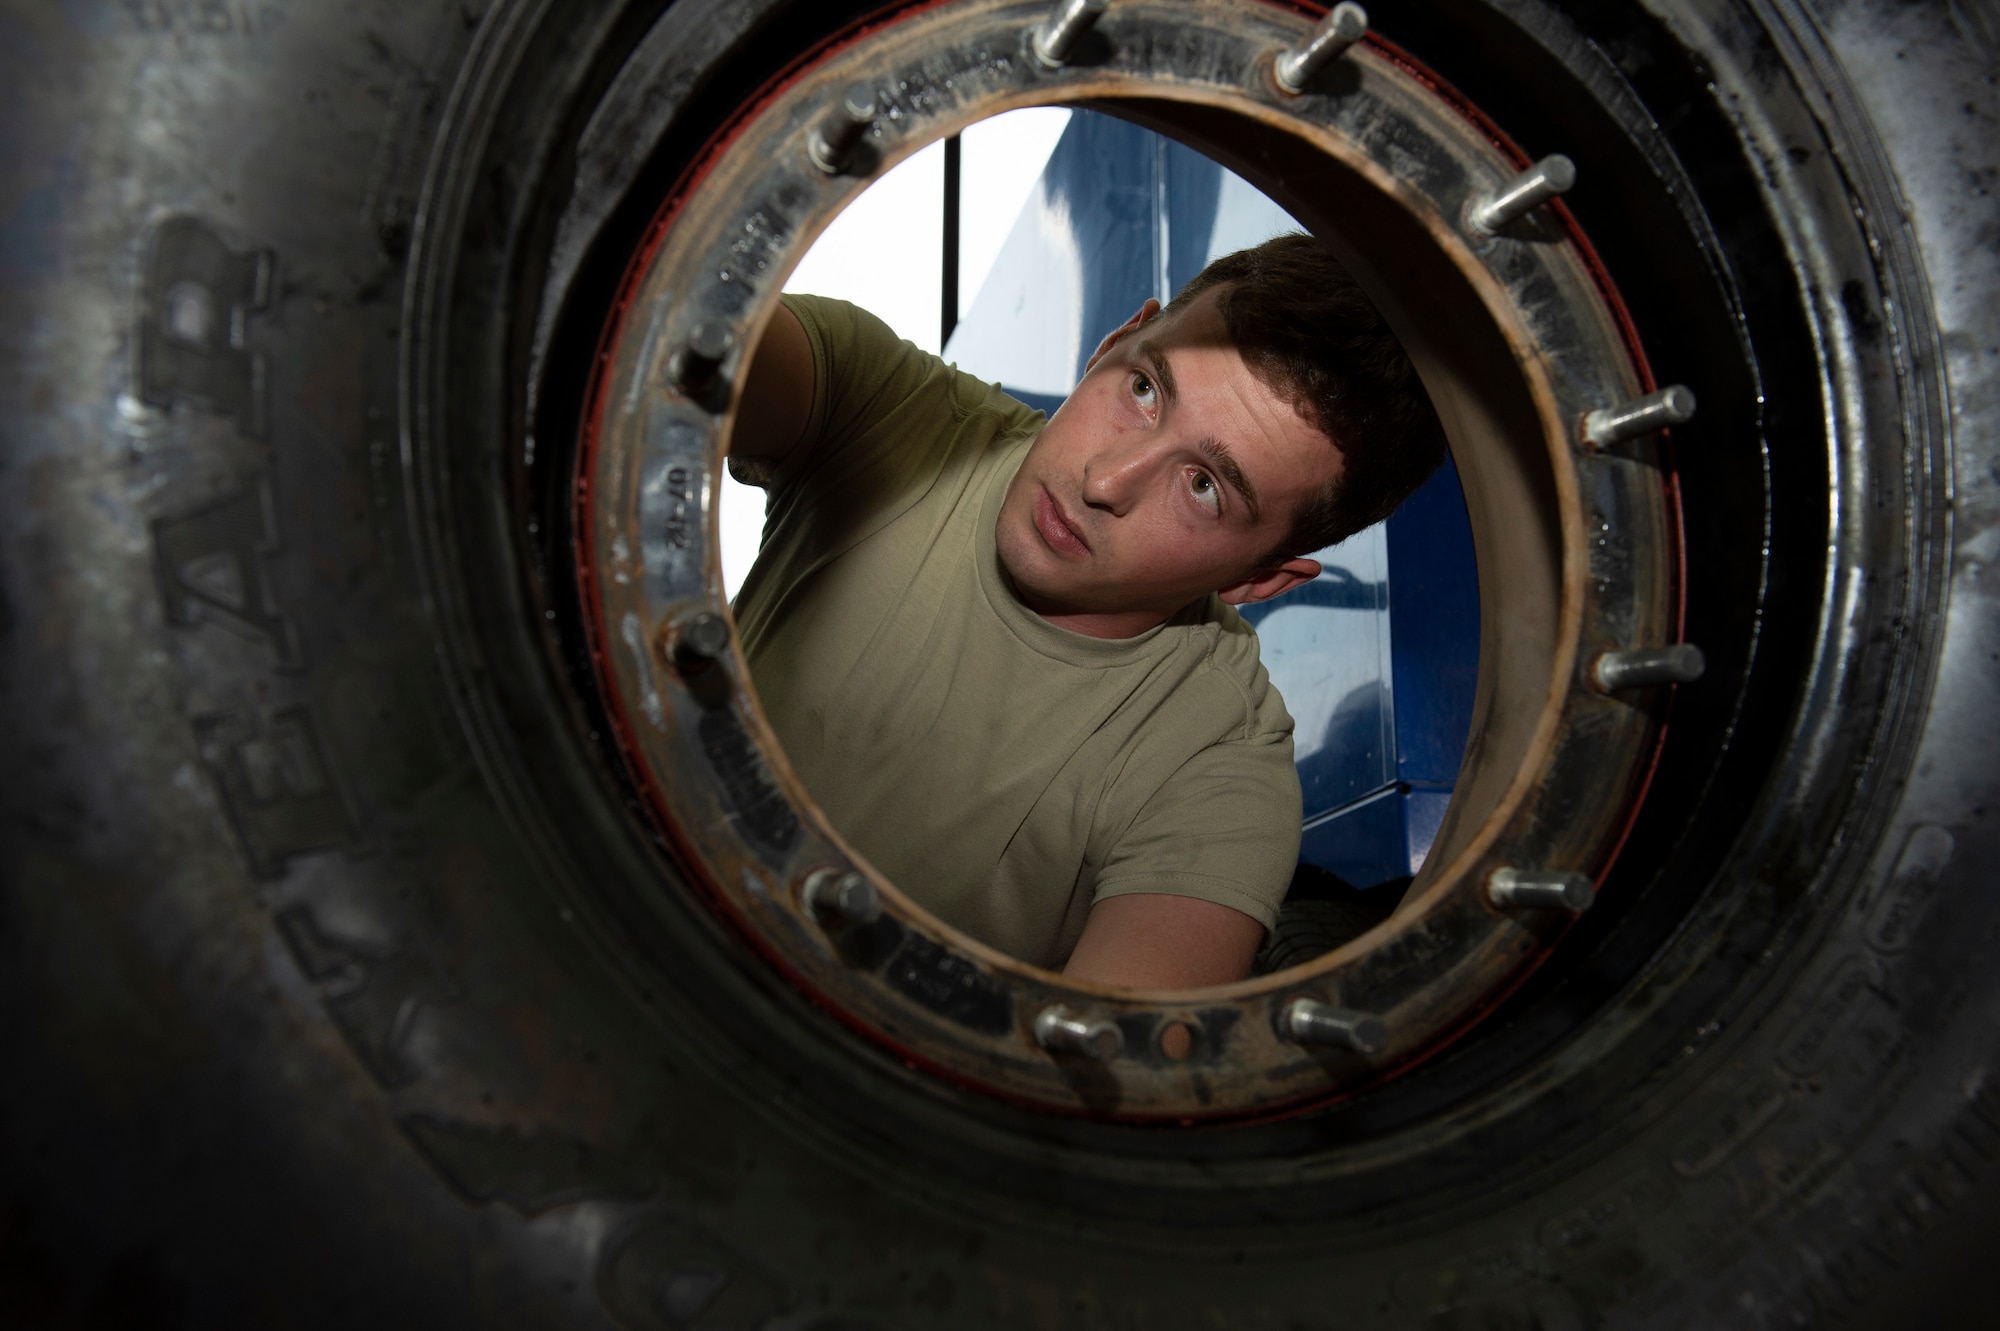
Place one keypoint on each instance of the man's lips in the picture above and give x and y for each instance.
(1056, 528)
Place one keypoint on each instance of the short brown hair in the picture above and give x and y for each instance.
(1305, 327)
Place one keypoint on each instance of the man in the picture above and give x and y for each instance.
(1001, 653)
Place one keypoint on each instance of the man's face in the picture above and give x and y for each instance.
(1170, 472)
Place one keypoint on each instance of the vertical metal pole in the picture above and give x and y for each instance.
(1163, 235)
(953, 175)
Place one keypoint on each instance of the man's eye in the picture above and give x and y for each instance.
(1202, 486)
(1142, 388)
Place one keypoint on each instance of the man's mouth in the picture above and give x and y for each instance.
(1055, 527)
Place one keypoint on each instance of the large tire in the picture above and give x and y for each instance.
(320, 1004)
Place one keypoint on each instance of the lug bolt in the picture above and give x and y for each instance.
(1057, 35)
(699, 641)
(695, 366)
(1057, 1030)
(1309, 1021)
(1682, 663)
(1672, 405)
(836, 898)
(1523, 194)
(1344, 25)
(1518, 889)
(832, 141)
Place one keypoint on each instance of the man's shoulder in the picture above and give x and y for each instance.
(859, 348)
(1208, 686)
(1235, 654)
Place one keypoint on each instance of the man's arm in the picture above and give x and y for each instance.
(777, 398)
(1182, 899)
(1152, 940)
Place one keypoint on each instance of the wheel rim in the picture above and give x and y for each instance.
(1578, 550)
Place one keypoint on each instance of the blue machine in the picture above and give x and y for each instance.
(1377, 658)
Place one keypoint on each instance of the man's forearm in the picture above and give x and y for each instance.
(1153, 940)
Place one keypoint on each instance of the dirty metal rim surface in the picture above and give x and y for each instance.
(1519, 336)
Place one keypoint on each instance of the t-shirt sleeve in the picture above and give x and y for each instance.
(1223, 828)
(885, 421)
(870, 387)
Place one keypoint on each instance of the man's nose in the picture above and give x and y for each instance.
(1117, 475)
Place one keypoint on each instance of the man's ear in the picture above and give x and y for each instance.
(1147, 313)
(1264, 583)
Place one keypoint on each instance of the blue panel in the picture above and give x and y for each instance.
(1104, 176)
(1327, 646)
(1383, 838)
(1423, 815)
(1121, 215)
(1434, 620)
(1191, 188)
(1361, 841)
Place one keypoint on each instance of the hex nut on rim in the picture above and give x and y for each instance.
(697, 641)
(1309, 1021)
(1056, 36)
(1487, 213)
(1345, 24)
(838, 898)
(1681, 663)
(1522, 889)
(697, 366)
(1057, 1031)
(833, 140)
(1672, 405)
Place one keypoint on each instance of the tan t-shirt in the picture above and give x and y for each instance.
(1004, 772)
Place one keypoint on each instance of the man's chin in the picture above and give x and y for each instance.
(1026, 562)
(1018, 542)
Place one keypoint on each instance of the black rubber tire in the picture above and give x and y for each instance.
(323, 1003)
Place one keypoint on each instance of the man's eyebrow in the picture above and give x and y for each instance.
(1225, 465)
(1156, 360)
(1211, 448)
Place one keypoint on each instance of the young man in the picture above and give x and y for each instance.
(1001, 653)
